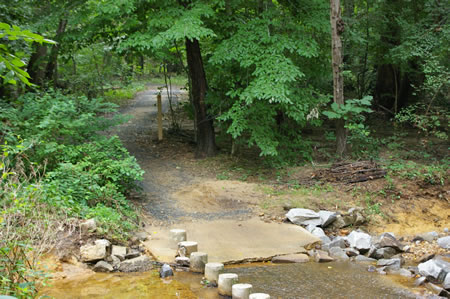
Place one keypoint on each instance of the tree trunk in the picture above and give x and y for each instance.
(35, 67)
(51, 72)
(337, 28)
(206, 144)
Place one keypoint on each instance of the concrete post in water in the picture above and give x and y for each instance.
(198, 261)
(226, 282)
(241, 291)
(187, 247)
(178, 235)
(159, 118)
(212, 271)
(259, 296)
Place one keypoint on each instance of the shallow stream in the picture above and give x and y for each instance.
(309, 280)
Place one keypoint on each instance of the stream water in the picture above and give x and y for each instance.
(310, 280)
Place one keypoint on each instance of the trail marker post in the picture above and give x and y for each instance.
(159, 105)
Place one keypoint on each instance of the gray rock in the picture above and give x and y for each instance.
(364, 259)
(165, 271)
(359, 219)
(430, 269)
(103, 266)
(339, 242)
(359, 240)
(132, 253)
(384, 253)
(321, 256)
(426, 257)
(393, 264)
(382, 270)
(338, 254)
(351, 252)
(446, 283)
(327, 217)
(446, 230)
(138, 264)
(114, 261)
(88, 226)
(339, 222)
(303, 217)
(310, 227)
(387, 240)
(444, 242)
(92, 253)
(119, 251)
(420, 281)
(290, 258)
(413, 269)
(371, 268)
(429, 237)
(437, 290)
(318, 232)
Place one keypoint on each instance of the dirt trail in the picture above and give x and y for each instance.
(165, 175)
(175, 197)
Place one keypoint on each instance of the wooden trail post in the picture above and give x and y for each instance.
(159, 105)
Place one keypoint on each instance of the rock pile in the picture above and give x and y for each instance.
(385, 252)
(105, 257)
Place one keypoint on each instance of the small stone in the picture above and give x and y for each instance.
(321, 256)
(338, 242)
(119, 251)
(338, 253)
(372, 268)
(114, 261)
(364, 259)
(290, 258)
(446, 230)
(382, 271)
(351, 252)
(339, 222)
(318, 232)
(103, 242)
(103, 266)
(420, 281)
(165, 271)
(437, 290)
(401, 272)
(444, 242)
(426, 257)
(88, 226)
(393, 264)
(429, 237)
(132, 253)
(359, 219)
(138, 264)
(384, 253)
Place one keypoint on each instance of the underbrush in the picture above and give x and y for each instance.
(121, 95)
(58, 167)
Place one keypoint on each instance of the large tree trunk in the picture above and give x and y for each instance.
(206, 143)
(36, 67)
(51, 72)
(337, 28)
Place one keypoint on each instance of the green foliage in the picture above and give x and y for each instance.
(434, 122)
(351, 110)
(84, 169)
(11, 63)
(432, 174)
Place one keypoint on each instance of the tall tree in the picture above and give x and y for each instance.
(337, 28)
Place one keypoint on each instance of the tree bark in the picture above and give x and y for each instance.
(337, 28)
(206, 144)
(51, 72)
(35, 67)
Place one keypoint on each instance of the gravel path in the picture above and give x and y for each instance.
(162, 176)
